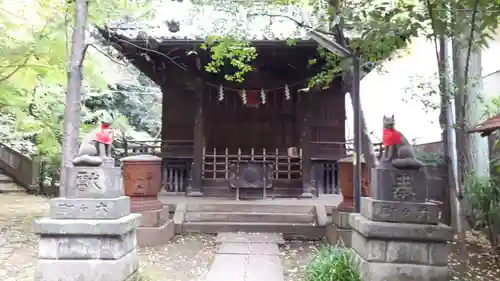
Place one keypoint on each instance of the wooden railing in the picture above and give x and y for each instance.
(23, 169)
(325, 176)
(216, 162)
(163, 148)
(177, 161)
(176, 174)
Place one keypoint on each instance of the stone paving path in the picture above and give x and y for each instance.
(247, 257)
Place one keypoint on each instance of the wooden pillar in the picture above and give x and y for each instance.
(307, 187)
(197, 165)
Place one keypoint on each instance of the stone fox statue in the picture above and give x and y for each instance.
(98, 141)
(397, 150)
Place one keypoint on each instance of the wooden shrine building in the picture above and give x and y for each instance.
(265, 132)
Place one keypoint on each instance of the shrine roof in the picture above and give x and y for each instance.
(488, 126)
(259, 22)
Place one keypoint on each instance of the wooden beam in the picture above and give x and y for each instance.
(307, 187)
(197, 165)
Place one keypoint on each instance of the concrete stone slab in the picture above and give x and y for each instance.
(248, 249)
(234, 248)
(243, 237)
(321, 216)
(264, 249)
(398, 211)
(399, 231)
(228, 268)
(87, 270)
(341, 219)
(180, 212)
(74, 247)
(154, 218)
(49, 226)
(267, 267)
(83, 208)
(338, 236)
(155, 236)
(94, 182)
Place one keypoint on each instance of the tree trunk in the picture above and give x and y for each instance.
(472, 150)
(72, 111)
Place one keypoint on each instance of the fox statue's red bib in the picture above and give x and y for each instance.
(104, 134)
(391, 137)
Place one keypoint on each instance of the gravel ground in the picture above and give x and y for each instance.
(185, 258)
(188, 257)
(296, 257)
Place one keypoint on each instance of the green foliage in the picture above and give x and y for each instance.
(332, 263)
(229, 50)
(430, 158)
(34, 36)
(484, 197)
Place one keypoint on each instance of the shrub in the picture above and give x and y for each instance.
(331, 263)
(484, 197)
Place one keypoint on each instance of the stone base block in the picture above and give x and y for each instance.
(400, 251)
(57, 227)
(155, 236)
(391, 184)
(338, 236)
(154, 218)
(88, 208)
(397, 211)
(400, 231)
(140, 204)
(88, 270)
(379, 271)
(340, 219)
(94, 182)
(86, 247)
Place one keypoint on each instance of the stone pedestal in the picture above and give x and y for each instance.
(142, 182)
(346, 173)
(398, 240)
(339, 232)
(155, 228)
(90, 235)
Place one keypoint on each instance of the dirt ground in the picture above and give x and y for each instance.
(187, 257)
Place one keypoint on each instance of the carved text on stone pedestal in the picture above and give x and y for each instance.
(423, 213)
(101, 208)
(85, 180)
(64, 207)
(386, 211)
(83, 208)
(402, 189)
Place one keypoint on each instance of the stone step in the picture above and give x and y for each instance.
(249, 217)
(289, 230)
(250, 208)
(5, 179)
(10, 187)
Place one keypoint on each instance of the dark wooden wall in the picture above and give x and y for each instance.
(231, 124)
(178, 120)
(328, 123)
(276, 124)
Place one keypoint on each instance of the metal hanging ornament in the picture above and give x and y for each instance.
(287, 92)
(263, 96)
(221, 93)
(244, 96)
